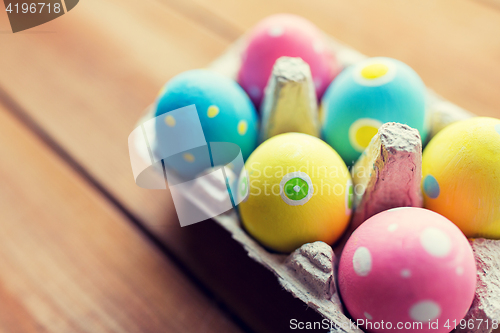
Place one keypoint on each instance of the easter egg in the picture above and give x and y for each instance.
(461, 176)
(298, 191)
(365, 96)
(284, 35)
(407, 269)
(225, 112)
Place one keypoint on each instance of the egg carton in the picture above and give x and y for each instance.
(309, 273)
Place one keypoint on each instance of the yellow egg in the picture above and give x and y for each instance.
(461, 176)
(298, 191)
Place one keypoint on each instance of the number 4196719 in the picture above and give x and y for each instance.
(33, 8)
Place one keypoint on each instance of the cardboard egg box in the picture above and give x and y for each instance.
(309, 273)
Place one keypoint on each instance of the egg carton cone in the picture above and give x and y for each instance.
(309, 273)
(289, 103)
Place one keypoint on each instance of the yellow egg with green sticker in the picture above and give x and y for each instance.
(461, 176)
(298, 190)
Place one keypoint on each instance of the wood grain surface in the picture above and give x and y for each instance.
(97, 92)
(80, 83)
(69, 261)
(452, 44)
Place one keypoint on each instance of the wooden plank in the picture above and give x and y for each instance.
(100, 67)
(452, 44)
(69, 261)
(494, 4)
(88, 84)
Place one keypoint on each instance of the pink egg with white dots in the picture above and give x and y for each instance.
(407, 269)
(284, 35)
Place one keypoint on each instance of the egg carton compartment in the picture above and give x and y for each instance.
(309, 273)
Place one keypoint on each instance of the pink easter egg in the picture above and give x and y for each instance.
(407, 269)
(284, 35)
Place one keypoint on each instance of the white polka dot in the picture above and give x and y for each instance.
(459, 270)
(425, 311)
(276, 31)
(304, 177)
(397, 208)
(254, 91)
(368, 316)
(392, 227)
(362, 261)
(435, 242)
(318, 46)
(406, 273)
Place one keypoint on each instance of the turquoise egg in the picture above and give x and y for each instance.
(365, 96)
(225, 112)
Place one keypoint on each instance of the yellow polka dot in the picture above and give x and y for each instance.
(170, 121)
(374, 71)
(362, 131)
(188, 157)
(242, 127)
(162, 90)
(212, 111)
(365, 134)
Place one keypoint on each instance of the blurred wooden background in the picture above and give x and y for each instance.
(82, 248)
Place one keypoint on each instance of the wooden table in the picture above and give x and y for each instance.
(82, 248)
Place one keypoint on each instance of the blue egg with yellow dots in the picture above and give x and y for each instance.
(224, 110)
(365, 96)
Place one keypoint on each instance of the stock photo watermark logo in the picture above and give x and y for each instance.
(171, 150)
(207, 179)
(26, 14)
